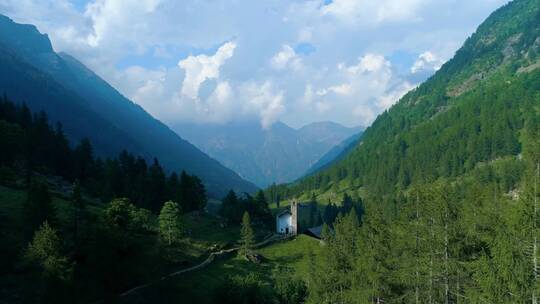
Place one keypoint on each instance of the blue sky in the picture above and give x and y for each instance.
(297, 61)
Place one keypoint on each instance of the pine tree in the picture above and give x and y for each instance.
(170, 222)
(199, 193)
(247, 241)
(38, 206)
(529, 209)
(262, 211)
(84, 158)
(173, 185)
(374, 260)
(156, 184)
(79, 208)
(335, 270)
(229, 207)
(346, 203)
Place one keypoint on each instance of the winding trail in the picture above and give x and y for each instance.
(273, 238)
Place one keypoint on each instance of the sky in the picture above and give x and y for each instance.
(296, 61)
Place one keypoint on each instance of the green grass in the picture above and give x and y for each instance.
(203, 233)
(11, 207)
(199, 286)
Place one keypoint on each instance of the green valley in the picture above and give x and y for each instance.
(437, 201)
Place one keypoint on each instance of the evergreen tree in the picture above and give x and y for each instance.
(331, 212)
(262, 211)
(230, 207)
(170, 222)
(84, 158)
(38, 206)
(337, 264)
(346, 204)
(79, 208)
(289, 289)
(199, 197)
(156, 185)
(192, 192)
(374, 260)
(247, 241)
(529, 210)
(173, 188)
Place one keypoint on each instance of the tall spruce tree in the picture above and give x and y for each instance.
(38, 207)
(333, 275)
(230, 207)
(247, 236)
(79, 207)
(374, 260)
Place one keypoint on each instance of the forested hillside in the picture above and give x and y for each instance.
(471, 111)
(88, 107)
(31, 146)
(77, 228)
(335, 154)
(450, 181)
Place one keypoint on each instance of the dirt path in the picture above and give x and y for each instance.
(209, 260)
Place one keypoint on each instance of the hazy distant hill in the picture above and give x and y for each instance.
(87, 106)
(279, 154)
(335, 154)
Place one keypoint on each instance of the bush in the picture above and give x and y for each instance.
(243, 290)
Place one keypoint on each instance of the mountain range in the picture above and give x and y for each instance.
(87, 106)
(277, 154)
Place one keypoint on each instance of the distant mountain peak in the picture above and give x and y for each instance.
(277, 154)
(24, 37)
(88, 107)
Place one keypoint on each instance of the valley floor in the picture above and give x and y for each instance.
(199, 286)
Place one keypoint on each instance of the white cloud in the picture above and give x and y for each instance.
(151, 85)
(343, 89)
(137, 45)
(111, 17)
(426, 61)
(202, 67)
(223, 92)
(369, 63)
(374, 12)
(305, 35)
(307, 98)
(219, 107)
(365, 114)
(387, 100)
(322, 106)
(357, 92)
(286, 57)
(261, 98)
